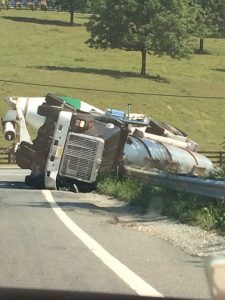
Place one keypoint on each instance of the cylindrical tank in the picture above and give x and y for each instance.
(150, 154)
(28, 106)
(188, 159)
(9, 131)
(144, 153)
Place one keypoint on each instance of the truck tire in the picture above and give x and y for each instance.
(23, 162)
(36, 181)
(85, 187)
(49, 111)
(27, 150)
(25, 155)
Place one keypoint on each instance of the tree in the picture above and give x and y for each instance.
(210, 20)
(4, 3)
(155, 26)
(96, 6)
(71, 6)
(221, 18)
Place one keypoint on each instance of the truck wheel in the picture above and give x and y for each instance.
(22, 162)
(24, 155)
(85, 187)
(35, 181)
(26, 150)
(49, 111)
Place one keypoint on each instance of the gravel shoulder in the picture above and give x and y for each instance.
(191, 239)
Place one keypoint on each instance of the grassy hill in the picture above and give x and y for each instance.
(40, 53)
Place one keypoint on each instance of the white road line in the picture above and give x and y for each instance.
(135, 282)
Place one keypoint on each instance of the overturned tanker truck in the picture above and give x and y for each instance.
(76, 143)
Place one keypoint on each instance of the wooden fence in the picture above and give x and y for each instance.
(7, 156)
(217, 157)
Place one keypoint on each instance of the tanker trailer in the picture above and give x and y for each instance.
(154, 155)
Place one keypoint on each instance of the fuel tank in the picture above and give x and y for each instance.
(151, 154)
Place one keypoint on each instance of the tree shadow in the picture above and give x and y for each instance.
(41, 21)
(219, 69)
(205, 52)
(113, 73)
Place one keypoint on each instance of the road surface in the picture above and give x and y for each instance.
(61, 240)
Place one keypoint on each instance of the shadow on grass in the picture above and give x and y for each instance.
(205, 52)
(219, 69)
(113, 73)
(41, 21)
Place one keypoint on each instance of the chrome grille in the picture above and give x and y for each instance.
(81, 157)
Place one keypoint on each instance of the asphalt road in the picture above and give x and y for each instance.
(61, 240)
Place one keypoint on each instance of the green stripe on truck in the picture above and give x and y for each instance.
(72, 101)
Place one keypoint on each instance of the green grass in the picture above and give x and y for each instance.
(192, 209)
(40, 51)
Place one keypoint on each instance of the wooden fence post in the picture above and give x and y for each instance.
(221, 159)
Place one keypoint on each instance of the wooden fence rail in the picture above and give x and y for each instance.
(7, 156)
(217, 157)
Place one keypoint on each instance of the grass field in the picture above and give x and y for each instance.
(39, 53)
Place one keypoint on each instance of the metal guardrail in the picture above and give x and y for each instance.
(216, 157)
(194, 185)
